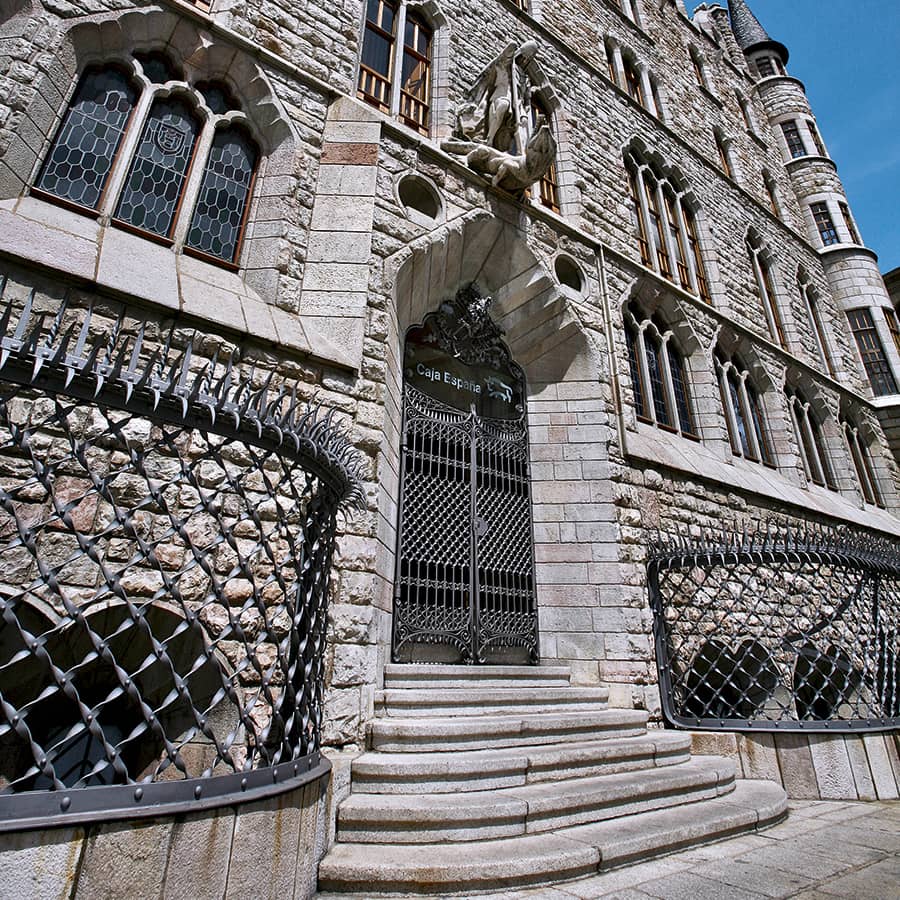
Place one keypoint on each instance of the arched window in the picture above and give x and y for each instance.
(665, 228)
(548, 187)
(723, 147)
(871, 350)
(862, 463)
(633, 81)
(82, 154)
(699, 68)
(810, 298)
(661, 389)
(630, 8)
(747, 430)
(222, 205)
(765, 286)
(155, 182)
(810, 440)
(772, 191)
(164, 191)
(746, 112)
(395, 76)
(633, 77)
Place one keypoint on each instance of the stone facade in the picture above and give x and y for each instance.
(359, 226)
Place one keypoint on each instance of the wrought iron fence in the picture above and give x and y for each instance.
(166, 533)
(780, 630)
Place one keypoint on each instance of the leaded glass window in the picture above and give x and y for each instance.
(155, 180)
(224, 194)
(153, 190)
(84, 149)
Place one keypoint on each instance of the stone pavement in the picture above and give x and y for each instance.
(825, 849)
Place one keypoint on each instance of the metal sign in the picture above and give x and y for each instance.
(465, 560)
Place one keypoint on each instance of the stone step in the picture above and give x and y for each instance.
(481, 770)
(401, 676)
(539, 859)
(416, 735)
(478, 701)
(531, 808)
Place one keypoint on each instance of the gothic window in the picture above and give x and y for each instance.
(81, 157)
(794, 139)
(658, 376)
(395, 76)
(872, 352)
(765, 286)
(630, 8)
(810, 440)
(633, 81)
(747, 430)
(746, 113)
(699, 68)
(154, 193)
(824, 223)
(772, 192)
(666, 229)
(522, 4)
(808, 293)
(723, 146)
(548, 187)
(862, 463)
(849, 223)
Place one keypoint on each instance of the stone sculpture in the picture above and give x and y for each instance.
(494, 128)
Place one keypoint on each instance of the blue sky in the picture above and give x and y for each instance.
(847, 53)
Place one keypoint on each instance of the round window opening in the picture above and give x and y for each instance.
(418, 194)
(568, 273)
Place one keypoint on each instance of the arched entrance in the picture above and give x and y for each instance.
(464, 587)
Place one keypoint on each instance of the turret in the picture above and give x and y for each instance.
(851, 267)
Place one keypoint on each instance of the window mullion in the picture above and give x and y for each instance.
(730, 413)
(669, 247)
(690, 262)
(645, 371)
(129, 146)
(644, 211)
(749, 418)
(668, 384)
(816, 464)
(397, 52)
(192, 185)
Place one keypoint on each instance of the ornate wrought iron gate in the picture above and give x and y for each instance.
(465, 570)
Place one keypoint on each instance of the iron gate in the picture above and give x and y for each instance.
(465, 560)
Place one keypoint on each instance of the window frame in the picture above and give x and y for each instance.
(209, 123)
(657, 400)
(796, 146)
(871, 351)
(823, 344)
(666, 228)
(862, 462)
(824, 222)
(814, 454)
(765, 288)
(398, 50)
(745, 419)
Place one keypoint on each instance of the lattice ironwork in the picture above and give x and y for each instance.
(466, 567)
(779, 630)
(166, 533)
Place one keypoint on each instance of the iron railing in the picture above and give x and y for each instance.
(780, 630)
(166, 532)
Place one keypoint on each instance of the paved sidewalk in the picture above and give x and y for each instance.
(823, 850)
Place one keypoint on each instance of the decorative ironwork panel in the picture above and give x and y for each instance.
(166, 533)
(465, 570)
(782, 630)
(504, 549)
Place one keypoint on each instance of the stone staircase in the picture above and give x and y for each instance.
(493, 777)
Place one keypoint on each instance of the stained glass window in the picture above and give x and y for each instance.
(83, 151)
(158, 171)
(224, 194)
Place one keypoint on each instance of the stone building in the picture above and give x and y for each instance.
(561, 372)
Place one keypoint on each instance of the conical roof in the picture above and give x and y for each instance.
(748, 31)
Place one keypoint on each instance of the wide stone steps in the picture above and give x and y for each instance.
(534, 808)
(480, 778)
(479, 770)
(419, 734)
(444, 701)
(463, 869)
(419, 676)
